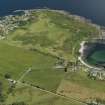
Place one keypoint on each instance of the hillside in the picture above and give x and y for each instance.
(35, 46)
(52, 32)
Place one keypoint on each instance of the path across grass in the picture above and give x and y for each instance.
(15, 61)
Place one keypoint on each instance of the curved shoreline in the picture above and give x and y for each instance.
(89, 66)
(27, 13)
(81, 51)
(76, 17)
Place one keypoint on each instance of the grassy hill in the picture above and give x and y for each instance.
(15, 61)
(35, 44)
(54, 33)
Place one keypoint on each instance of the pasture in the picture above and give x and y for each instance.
(15, 61)
(33, 96)
(81, 87)
(53, 32)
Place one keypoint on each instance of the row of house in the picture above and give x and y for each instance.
(10, 22)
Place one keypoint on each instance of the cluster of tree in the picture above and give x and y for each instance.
(97, 101)
(91, 76)
(12, 85)
(18, 103)
(7, 76)
(2, 96)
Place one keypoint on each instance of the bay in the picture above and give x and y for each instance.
(91, 9)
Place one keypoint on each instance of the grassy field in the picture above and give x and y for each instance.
(33, 96)
(15, 61)
(79, 86)
(53, 32)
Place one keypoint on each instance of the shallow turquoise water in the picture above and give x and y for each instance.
(97, 57)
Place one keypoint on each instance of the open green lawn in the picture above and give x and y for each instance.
(15, 61)
(33, 96)
(55, 32)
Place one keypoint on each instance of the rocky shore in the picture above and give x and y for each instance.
(10, 22)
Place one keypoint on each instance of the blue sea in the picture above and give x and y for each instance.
(91, 9)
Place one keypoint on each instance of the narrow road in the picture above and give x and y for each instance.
(29, 70)
(44, 90)
(59, 95)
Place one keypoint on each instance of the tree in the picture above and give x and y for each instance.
(0, 88)
(2, 96)
(7, 76)
(19, 103)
